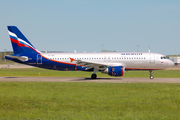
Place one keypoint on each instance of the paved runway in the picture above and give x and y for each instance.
(100, 80)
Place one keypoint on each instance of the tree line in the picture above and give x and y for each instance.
(2, 54)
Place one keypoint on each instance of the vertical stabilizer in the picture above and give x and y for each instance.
(19, 42)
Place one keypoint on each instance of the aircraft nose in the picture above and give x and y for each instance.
(170, 63)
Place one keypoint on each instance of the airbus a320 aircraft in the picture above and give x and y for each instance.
(114, 64)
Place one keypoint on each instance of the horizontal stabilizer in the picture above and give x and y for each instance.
(21, 58)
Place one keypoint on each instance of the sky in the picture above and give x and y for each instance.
(93, 25)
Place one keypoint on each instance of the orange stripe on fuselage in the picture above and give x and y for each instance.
(58, 61)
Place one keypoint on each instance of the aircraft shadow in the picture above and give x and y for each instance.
(11, 77)
(83, 79)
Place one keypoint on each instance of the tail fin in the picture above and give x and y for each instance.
(19, 42)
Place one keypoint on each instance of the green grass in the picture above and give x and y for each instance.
(34, 72)
(89, 101)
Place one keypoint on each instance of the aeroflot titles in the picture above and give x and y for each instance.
(131, 53)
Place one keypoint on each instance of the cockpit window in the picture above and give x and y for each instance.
(164, 57)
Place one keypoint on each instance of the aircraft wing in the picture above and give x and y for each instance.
(21, 58)
(96, 65)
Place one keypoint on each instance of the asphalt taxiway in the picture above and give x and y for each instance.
(82, 79)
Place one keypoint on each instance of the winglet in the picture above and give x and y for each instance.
(71, 59)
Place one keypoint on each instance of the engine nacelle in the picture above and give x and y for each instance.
(115, 70)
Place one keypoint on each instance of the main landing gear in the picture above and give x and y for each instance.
(94, 76)
(151, 76)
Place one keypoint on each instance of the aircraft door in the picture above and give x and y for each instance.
(39, 59)
(152, 58)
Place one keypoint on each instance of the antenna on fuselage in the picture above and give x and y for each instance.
(149, 49)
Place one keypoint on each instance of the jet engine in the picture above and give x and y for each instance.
(114, 70)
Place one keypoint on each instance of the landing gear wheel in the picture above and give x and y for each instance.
(93, 76)
(151, 77)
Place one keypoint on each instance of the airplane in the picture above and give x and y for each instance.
(113, 64)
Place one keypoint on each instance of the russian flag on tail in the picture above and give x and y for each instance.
(19, 41)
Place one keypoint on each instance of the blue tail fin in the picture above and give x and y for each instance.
(19, 42)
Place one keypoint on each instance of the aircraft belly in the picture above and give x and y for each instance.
(139, 65)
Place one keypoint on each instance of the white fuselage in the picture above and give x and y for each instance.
(130, 60)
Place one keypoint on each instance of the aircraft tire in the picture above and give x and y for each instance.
(93, 76)
(151, 77)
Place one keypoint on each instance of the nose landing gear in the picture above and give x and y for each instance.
(151, 76)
